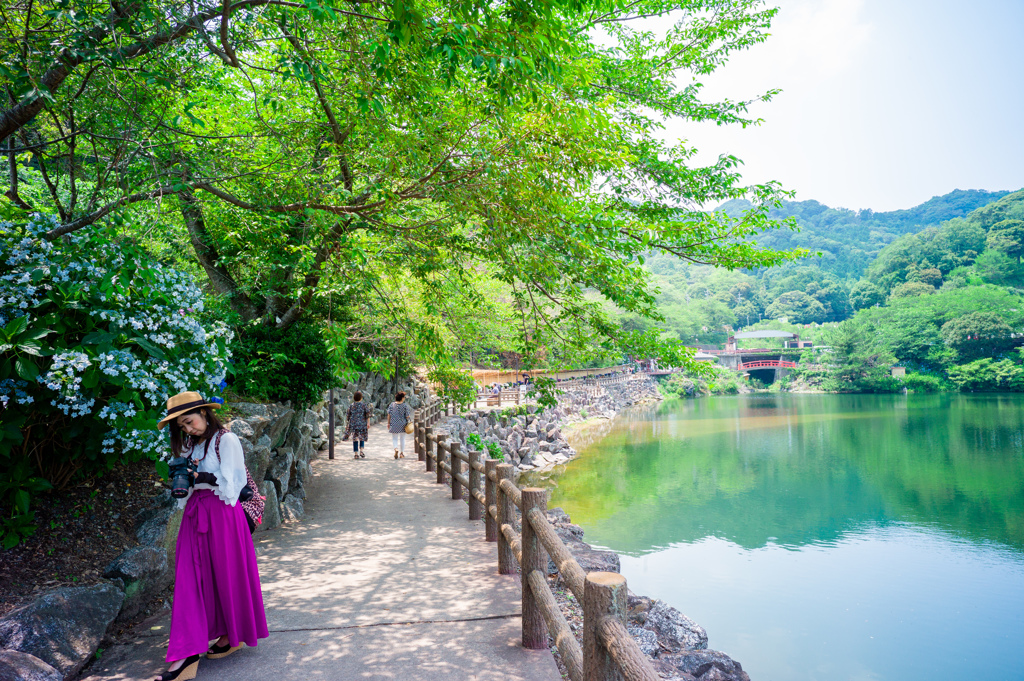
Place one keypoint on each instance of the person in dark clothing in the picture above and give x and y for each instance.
(358, 415)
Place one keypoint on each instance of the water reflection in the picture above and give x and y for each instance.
(822, 536)
(799, 469)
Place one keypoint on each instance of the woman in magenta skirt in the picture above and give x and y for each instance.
(216, 583)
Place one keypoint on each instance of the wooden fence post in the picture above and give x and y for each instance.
(474, 485)
(330, 427)
(604, 595)
(490, 524)
(440, 458)
(418, 434)
(535, 557)
(428, 446)
(455, 448)
(506, 515)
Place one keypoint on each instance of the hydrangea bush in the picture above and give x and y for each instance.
(94, 337)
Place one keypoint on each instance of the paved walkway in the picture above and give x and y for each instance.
(384, 578)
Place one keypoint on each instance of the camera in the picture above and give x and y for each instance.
(181, 470)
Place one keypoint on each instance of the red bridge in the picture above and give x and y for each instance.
(767, 364)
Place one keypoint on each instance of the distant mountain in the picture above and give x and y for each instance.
(849, 240)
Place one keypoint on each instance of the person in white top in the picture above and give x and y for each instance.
(217, 593)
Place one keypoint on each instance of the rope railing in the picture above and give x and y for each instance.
(608, 650)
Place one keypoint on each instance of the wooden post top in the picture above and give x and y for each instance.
(606, 579)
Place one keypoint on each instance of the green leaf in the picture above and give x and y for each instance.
(149, 347)
(15, 326)
(36, 334)
(26, 369)
(22, 499)
(98, 338)
(30, 348)
(91, 378)
(163, 470)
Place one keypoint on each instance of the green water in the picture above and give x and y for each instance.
(822, 537)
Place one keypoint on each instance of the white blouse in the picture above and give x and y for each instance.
(229, 469)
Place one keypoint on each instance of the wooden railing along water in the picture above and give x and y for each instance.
(608, 651)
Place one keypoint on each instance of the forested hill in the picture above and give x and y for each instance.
(899, 254)
(849, 240)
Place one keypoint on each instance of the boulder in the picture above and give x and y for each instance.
(675, 630)
(280, 471)
(272, 508)
(297, 491)
(144, 573)
(303, 474)
(569, 532)
(637, 607)
(18, 666)
(241, 428)
(153, 532)
(152, 522)
(250, 408)
(646, 639)
(706, 665)
(304, 451)
(294, 440)
(259, 426)
(279, 428)
(557, 515)
(63, 627)
(667, 672)
(257, 459)
(291, 508)
(592, 560)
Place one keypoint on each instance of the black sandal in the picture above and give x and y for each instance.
(216, 652)
(185, 672)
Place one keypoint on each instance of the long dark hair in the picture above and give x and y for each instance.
(180, 441)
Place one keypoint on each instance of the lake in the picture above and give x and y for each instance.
(822, 537)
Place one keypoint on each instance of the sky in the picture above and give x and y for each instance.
(885, 103)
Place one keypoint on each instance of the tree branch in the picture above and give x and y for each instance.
(209, 258)
(89, 219)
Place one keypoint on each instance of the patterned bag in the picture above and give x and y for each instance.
(254, 505)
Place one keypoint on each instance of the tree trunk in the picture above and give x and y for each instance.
(202, 244)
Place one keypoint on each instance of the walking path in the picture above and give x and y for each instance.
(384, 578)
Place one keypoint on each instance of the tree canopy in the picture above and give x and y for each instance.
(379, 162)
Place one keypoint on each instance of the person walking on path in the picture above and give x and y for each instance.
(358, 414)
(399, 416)
(217, 593)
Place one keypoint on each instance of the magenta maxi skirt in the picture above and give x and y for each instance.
(216, 583)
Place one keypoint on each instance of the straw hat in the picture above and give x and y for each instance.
(184, 402)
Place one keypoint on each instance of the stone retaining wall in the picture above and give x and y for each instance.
(533, 440)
